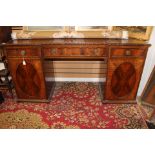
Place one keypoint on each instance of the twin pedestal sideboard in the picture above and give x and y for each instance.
(124, 58)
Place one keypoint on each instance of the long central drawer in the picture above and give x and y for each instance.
(74, 51)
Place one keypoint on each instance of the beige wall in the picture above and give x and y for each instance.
(75, 69)
(149, 64)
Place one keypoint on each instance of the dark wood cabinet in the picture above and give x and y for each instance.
(125, 66)
(124, 60)
(25, 65)
(5, 33)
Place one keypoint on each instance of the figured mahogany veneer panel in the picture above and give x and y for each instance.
(123, 78)
(29, 52)
(28, 79)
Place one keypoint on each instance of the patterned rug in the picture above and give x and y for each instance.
(74, 105)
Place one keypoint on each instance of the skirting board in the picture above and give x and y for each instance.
(77, 79)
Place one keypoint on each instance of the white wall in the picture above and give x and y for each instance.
(149, 63)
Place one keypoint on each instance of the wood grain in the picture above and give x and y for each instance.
(120, 61)
(123, 78)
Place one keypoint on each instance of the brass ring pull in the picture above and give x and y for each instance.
(23, 53)
(53, 51)
(128, 53)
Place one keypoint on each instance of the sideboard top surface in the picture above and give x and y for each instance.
(76, 41)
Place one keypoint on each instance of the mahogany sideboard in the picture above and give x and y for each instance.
(124, 58)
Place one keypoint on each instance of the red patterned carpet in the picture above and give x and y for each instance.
(74, 105)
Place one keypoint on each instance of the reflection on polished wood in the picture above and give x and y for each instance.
(123, 79)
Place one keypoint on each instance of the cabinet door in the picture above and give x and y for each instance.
(123, 78)
(28, 79)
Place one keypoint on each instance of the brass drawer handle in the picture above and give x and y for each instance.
(95, 52)
(23, 53)
(128, 53)
(53, 51)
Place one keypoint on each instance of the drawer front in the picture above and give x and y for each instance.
(23, 52)
(127, 52)
(75, 52)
